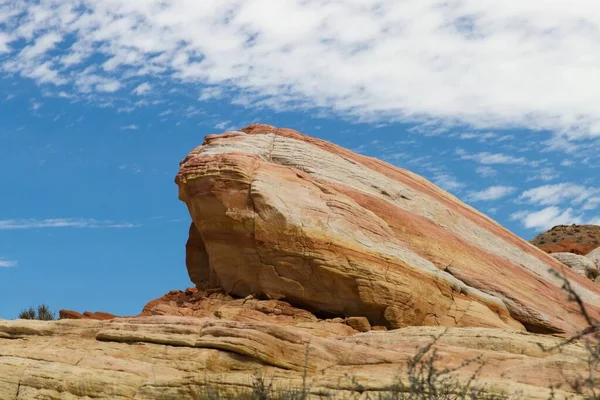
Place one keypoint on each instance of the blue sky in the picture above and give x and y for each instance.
(496, 102)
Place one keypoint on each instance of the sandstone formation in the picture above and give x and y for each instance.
(169, 357)
(316, 265)
(279, 215)
(594, 256)
(577, 239)
(581, 264)
(70, 314)
(213, 303)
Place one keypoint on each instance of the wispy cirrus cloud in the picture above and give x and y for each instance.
(7, 263)
(564, 204)
(547, 218)
(50, 223)
(487, 158)
(448, 181)
(486, 64)
(142, 89)
(486, 172)
(572, 193)
(491, 193)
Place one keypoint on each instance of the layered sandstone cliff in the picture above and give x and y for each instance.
(281, 215)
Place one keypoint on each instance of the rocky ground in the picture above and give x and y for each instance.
(170, 357)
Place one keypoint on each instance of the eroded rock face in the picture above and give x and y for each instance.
(213, 303)
(282, 215)
(594, 256)
(583, 265)
(168, 357)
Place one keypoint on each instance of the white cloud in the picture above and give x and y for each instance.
(488, 64)
(447, 182)
(594, 221)
(132, 127)
(142, 89)
(491, 158)
(210, 93)
(547, 218)
(224, 126)
(491, 193)
(559, 193)
(109, 86)
(11, 224)
(486, 172)
(7, 263)
(544, 174)
(480, 136)
(4, 38)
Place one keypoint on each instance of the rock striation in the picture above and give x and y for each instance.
(280, 215)
(171, 357)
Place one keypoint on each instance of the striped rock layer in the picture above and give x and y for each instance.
(281, 215)
(169, 357)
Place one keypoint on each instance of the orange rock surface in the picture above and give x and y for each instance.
(69, 314)
(280, 215)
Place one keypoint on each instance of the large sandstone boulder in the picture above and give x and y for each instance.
(583, 265)
(168, 357)
(279, 215)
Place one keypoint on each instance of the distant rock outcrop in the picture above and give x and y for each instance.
(580, 264)
(280, 215)
(70, 314)
(576, 239)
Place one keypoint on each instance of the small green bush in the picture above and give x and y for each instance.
(43, 313)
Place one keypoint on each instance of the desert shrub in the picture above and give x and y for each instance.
(426, 381)
(43, 313)
(421, 379)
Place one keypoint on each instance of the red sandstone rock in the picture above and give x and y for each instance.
(218, 305)
(69, 314)
(279, 214)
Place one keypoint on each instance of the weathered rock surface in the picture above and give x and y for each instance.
(581, 264)
(167, 357)
(213, 303)
(280, 215)
(594, 256)
(70, 314)
(577, 239)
